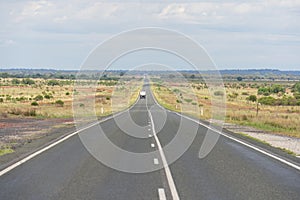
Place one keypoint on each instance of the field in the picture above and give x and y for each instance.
(31, 108)
(276, 111)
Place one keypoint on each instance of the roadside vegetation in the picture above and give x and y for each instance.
(30, 100)
(272, 105)
(42, 98)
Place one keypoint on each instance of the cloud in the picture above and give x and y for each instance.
(217, 24)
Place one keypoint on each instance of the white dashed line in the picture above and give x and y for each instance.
(170, 180)
(149, 135)
(161, 194)
(155, 161)
(152, 145)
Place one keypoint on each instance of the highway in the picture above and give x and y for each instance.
(230, 171)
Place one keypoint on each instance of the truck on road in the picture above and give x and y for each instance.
(142, 94)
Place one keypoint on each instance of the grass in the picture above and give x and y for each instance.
(254, 139)
(6, 151)
(55, 101)
(282, 120)
(288, 151)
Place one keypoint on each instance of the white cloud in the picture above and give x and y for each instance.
(260, 23)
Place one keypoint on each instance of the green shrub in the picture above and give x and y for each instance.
(53, 82)
(28, 81)
(15, 81)
(188, 100)
(34, 103)
(59, 103)
(296, 87)
(252, 98)
(38, 98)
(47, 96)
(267, 101)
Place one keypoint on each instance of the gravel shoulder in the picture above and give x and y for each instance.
(283, 142)
(26, 135)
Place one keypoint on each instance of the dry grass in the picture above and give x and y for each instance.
(17, 99)
(283, 120)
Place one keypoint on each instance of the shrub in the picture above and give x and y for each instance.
(30, 112)
(34, 103)
(59, 103)
(53, 82)
(15, 81)
(67, 93)
(296, 87)
(188, 100)
(267, 101)
(28, 81)
(1, 100)
(297, 95)
(252, 98)
(47, 96)
(15, 111)
(233, 95)
(38, 98)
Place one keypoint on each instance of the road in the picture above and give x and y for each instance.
(231, 170)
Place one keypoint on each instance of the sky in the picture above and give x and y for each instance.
(239, 34)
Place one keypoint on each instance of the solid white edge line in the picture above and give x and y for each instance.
(236, 140)
(27, 158)
(246, 144)
(161, 194)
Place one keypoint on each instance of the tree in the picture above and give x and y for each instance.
(239, 78)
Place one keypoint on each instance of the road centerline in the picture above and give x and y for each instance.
(168, 173)
(161, 194)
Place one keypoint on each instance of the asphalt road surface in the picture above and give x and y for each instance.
(231, 170)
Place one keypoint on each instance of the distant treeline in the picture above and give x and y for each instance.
(66, 76)
(231, 75)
